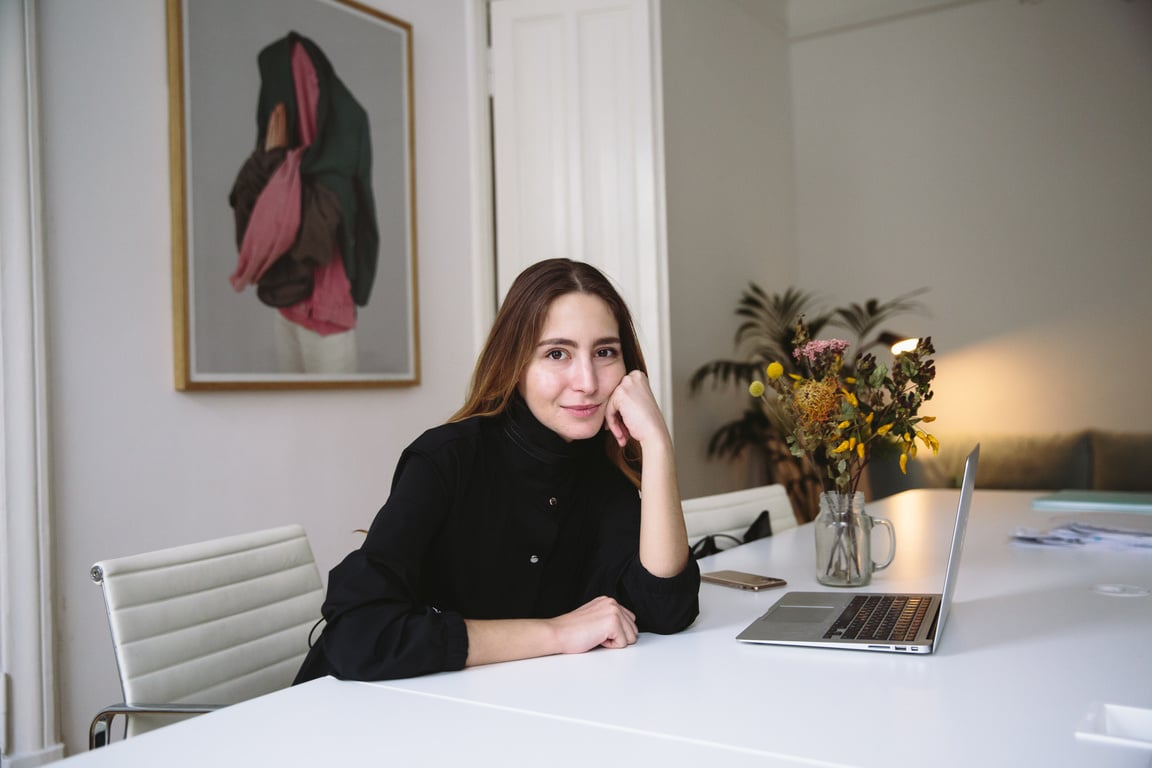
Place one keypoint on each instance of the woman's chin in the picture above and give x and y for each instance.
(582, 431)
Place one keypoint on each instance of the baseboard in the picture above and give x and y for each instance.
(32, 759)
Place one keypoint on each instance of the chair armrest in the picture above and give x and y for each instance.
(102, 723)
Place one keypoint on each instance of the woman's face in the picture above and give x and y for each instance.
(575, 366)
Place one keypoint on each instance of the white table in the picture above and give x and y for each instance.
(1029, 649)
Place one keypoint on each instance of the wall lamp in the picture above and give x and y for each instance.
(898, 343)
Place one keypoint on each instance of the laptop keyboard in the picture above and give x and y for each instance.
(880, 617)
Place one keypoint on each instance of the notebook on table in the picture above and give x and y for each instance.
(869, 621)
(1093, 501)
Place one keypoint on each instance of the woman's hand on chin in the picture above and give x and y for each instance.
(632, 411)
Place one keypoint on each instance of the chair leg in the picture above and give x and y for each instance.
(100, 732)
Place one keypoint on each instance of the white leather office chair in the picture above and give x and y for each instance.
(728, 515)
(205, 625)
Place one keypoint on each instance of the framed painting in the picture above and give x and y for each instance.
(293, 195)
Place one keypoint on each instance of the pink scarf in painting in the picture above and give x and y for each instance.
(275, 222)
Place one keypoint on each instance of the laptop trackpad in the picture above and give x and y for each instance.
(799, 614)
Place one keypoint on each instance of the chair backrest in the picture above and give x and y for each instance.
(730, 514)
(215, 622)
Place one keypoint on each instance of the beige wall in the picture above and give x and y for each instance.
(997, 152)
(993, 151)
(728, 162)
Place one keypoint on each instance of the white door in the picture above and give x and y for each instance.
(578, 153)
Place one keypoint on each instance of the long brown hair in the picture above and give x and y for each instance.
(517, 328)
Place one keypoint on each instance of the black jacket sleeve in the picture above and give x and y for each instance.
(377, 628)
(662, 605)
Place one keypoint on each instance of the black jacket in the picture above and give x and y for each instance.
(489, 518)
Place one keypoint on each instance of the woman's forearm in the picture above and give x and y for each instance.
(492, 641)
(663, 537)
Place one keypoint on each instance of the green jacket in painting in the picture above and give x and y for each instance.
(339, 158)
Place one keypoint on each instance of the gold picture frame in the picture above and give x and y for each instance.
(343, 314)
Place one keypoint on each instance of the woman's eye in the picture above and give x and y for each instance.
(607, 352)
(554, 354)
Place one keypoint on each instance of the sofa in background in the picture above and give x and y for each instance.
(1098, 459)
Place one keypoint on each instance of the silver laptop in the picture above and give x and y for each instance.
(912, 623)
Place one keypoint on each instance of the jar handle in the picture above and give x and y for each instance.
(891, 544)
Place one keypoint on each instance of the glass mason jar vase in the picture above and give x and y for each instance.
(844, 541)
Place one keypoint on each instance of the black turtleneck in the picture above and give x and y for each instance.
(489, 518)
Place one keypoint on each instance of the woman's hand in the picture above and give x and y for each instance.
(599, 622)
(633, 412)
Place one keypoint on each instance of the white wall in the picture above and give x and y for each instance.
(137, 465)
(729, 190)
(1000, 153)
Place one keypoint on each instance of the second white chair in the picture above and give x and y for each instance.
(728, 515)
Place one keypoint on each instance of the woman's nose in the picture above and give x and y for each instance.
(584, 376)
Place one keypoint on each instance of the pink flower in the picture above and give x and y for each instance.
(820, 350)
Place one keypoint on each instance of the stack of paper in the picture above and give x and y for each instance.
(1084, 536)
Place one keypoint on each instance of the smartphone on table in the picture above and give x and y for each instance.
(742, 580)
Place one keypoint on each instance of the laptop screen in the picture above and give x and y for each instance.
(966, 488)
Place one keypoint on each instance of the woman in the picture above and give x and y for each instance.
(525, 526)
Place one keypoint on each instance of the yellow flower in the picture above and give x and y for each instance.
(774, 370)
(883, 430)
(844, 446)
(860, 450)
(844, 425)
(903, 463)
(756, 388)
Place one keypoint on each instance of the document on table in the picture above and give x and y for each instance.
(1076, 535)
